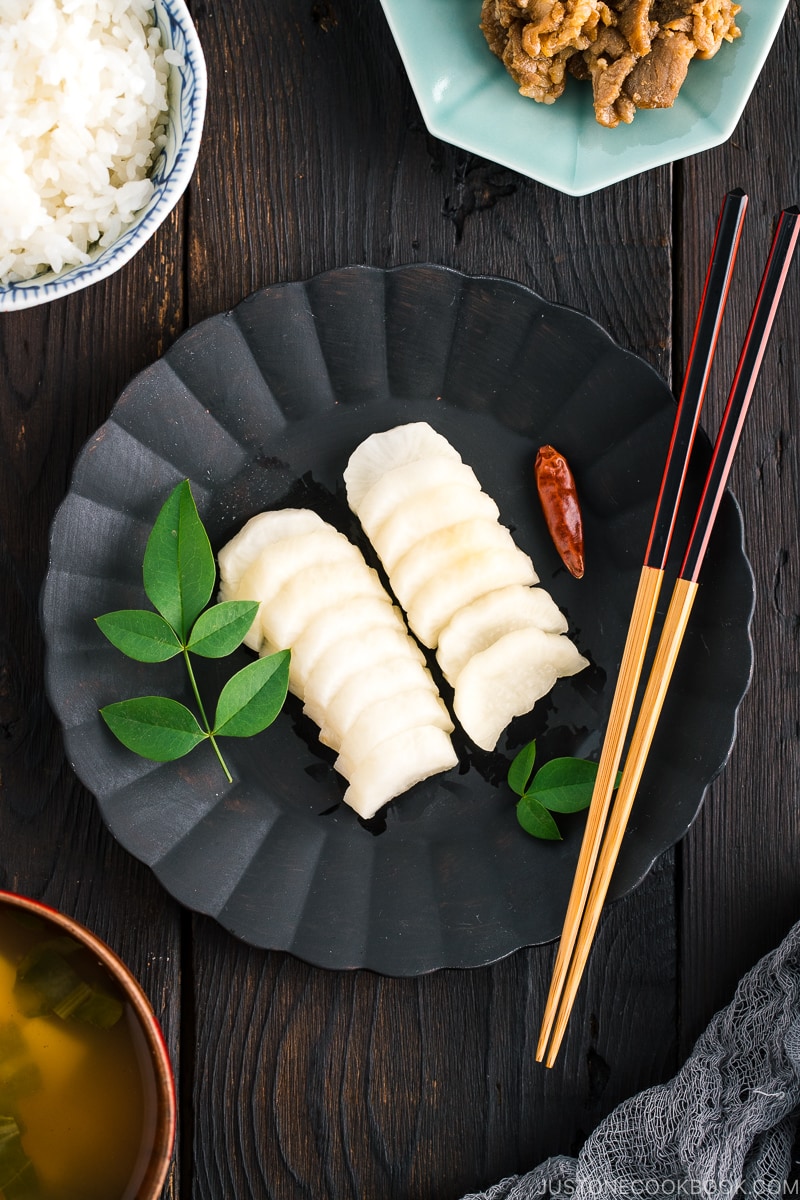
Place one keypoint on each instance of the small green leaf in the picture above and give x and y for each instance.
(219, 630)
(536, 820)
(140, 634)
(253, 697)
(154, 727)
(565, 784)
(178, 568)
(519, 773)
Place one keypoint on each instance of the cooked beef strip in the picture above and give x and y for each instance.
(635, 24)
(535, 40)
(636, 52)
(658, 77)
(608, 63)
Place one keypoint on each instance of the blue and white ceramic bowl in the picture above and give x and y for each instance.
(171, 174)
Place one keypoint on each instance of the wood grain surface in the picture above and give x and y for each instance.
(296, 1082)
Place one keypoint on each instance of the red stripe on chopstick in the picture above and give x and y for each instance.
(784, 244)
(695, 381)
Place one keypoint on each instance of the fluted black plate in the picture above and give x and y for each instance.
(261, 407)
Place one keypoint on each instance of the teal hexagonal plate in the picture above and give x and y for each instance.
(468, 99)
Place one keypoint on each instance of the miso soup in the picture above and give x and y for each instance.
(77, 1088)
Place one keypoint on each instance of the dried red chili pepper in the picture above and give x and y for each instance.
(556, 487)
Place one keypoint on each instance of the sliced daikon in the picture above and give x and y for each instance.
(488, 618)
(429, 510)
(403, 710)
(255, 535)
(352, 655)
(310, 592)
(383, 451)
(331, 626)
(434, 604)
(353, 661)
(466, 588)
(505, 680)
(385, 680)
(435, 553)
(281, 561)
(398, 486)
(396, 765)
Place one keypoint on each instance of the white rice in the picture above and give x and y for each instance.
(84, 92)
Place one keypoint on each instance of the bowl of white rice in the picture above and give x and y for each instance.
(100, 124)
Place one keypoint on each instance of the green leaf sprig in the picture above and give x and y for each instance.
(179, 574)
(562, 785)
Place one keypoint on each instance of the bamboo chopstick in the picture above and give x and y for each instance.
(701, 353)
(783, 247)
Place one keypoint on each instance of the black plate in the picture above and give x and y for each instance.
(261, 407)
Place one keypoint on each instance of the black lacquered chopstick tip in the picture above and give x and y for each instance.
(784, 244)
(698, 368)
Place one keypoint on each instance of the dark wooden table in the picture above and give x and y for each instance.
(299, 1082)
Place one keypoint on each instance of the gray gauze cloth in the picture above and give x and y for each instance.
(723, 1127)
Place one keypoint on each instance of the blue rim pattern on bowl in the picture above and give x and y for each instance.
(468, 99)
(171, 172)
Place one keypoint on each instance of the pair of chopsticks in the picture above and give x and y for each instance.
(604, 833)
